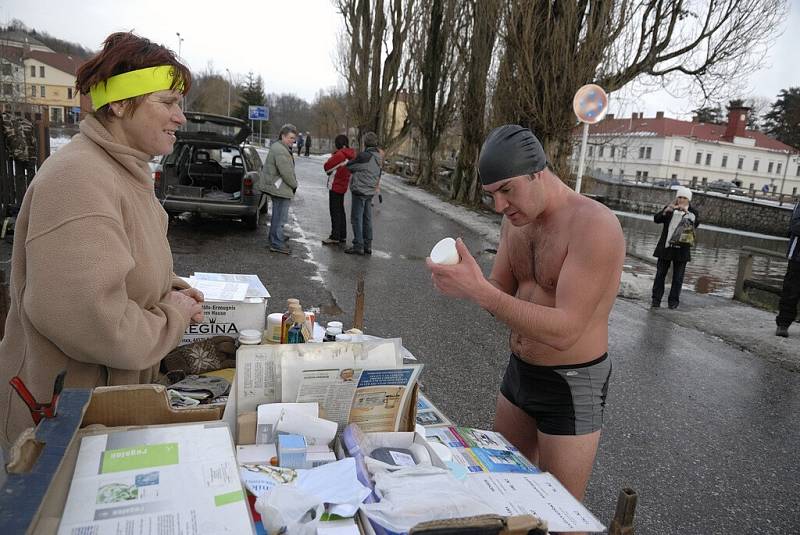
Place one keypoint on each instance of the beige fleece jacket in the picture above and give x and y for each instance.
(90, 268)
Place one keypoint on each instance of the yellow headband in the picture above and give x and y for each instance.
(133, 84)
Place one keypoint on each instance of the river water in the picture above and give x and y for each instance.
(716, 254)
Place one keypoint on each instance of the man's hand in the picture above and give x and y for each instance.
(464, 280)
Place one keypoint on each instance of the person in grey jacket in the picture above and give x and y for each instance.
(279, 181)
(364, 184)
(790, 293)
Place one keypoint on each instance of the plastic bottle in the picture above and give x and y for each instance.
(250, 337)
(287, 321)
(295, 334)
(333, 329)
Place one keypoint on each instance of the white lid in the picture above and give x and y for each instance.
(250, 336)
(336, 324)
(333, 329)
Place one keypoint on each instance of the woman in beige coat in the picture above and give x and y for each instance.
(92, 287)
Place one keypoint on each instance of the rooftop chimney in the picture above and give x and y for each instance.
(659, 115)
(737, 121)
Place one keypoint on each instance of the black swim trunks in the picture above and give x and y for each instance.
(564, 400)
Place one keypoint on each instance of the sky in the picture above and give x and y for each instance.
(292, 45)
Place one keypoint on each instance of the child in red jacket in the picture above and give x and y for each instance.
(337, 187)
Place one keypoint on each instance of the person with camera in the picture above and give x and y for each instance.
(679, 220)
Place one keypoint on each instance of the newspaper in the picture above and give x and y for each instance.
(374, 399)
(160, 480)
(272, 373)
(540, 495)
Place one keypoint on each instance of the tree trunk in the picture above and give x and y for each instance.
(485, 20)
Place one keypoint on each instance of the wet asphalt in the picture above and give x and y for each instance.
(708, 435)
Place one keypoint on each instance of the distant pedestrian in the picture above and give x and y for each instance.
(790, 294)
(338, 181)
(279, 181)
(765, 188)
(669, 250)
(364, 183)
(308, 143)
(300, 142)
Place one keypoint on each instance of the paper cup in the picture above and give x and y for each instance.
(445, 253)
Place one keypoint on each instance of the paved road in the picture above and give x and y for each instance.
(707, 434)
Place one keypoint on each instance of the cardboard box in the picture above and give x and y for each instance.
(118, 407)
(228, 318)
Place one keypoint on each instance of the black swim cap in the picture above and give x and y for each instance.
(510, 151)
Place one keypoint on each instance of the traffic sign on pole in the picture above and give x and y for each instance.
(258, 113)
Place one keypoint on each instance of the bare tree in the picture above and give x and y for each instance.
(552, 48)
(485, 20)
(329, 114)
(436, 80)
(376, 32)
(209, 93)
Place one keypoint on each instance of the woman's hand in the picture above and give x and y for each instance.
(188, 306)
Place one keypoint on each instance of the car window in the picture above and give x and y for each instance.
(253, 159)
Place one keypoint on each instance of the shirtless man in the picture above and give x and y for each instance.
(554, 281)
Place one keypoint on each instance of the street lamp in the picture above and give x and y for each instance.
(180, 41)
(230, 83)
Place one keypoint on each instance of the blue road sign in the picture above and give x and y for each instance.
(258, 113)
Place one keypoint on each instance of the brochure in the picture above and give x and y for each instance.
(159, 480)
(477, 450)
(428, 415)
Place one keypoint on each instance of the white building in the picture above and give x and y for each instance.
(662, 149)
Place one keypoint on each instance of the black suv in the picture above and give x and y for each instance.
(210, 171)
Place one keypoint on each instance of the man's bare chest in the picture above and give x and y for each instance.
(538, 257)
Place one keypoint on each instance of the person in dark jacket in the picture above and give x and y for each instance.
(364, 184)
(337, 187)
(677, 255)
(790, 294)
(308, 142)
(300, 142)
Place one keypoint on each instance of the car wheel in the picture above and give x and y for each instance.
(251, 222)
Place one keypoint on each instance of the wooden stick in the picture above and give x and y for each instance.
(358, 315)
(622, 523)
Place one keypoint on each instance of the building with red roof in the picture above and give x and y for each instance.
(653, 149)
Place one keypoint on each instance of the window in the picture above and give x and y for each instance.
(602, 149)
(6, 69)
(638, 175)
(798, 171)
(624, 151)
(677, 155)
(69, 93)
(613, 150)
(610, 172)
(8, 89)
(41, 71)
(591, 150)
(622, 172)
(769, 167)
(724, 160)
(33, 91)
(741, 162)
(641, 153)
(755, 165)
(41, 91)
(648, 152)
(644, 176)
(708, 159)
(33, 71)
(778, 170)
(675, 178)
(698, 158)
